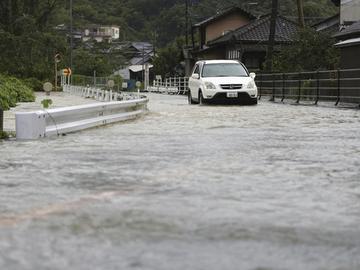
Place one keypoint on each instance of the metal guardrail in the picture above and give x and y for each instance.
(98, 94)
(173, 85)
(46, 123)
(330, 85)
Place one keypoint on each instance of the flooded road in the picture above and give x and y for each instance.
(188, 187)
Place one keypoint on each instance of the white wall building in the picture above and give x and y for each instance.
(102, 33)
(349, 11)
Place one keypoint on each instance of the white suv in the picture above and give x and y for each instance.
(222, 81)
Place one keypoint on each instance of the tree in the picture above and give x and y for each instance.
(86, 62)
(270, 51)
(167, 62)
(27, 43)
(300, 8)
(311, 51)
(28, 39)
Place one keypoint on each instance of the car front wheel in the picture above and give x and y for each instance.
(190, 100)
(201, 98)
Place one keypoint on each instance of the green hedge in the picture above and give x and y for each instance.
(12, 91)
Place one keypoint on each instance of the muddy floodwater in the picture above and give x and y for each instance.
(188, 187)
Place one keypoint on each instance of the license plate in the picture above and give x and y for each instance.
(232, 94)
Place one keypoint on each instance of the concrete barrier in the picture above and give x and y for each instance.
(46, 123)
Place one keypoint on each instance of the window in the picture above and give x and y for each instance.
(196, 69)
(224, 70)
(233, 54)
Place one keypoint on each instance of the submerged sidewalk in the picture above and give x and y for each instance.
(59, 99)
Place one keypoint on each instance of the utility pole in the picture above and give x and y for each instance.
(186, 23)
(143, 65)
(270, 51)
(55, 62)
(300, 7)
(71, 34)
(57, 59)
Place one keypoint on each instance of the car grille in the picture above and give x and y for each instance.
(231, 86)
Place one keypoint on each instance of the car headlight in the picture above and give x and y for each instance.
(251, 85)
(209, 85)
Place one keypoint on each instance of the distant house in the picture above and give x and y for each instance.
(101, 33)
(349, 11)
(349, 44)
(249, 42)
(349, 35)
(140, 54)
(221, 23)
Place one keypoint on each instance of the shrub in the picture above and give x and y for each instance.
(46, 103)
(312, 51)
(12, 90)
(34, 84)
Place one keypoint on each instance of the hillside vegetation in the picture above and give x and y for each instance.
(29, 40)
(161, 21)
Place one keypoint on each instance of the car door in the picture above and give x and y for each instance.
(194, 82)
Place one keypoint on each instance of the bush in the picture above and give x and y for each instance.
(3, 135)
(312, 51)
(34, 84)
(118, 80)
(12, 91)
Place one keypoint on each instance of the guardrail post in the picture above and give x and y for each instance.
(338, 87)
(299, 93)
(273, 88)
(30, 125)
(283, 87)
(1, 120)
(317, 87)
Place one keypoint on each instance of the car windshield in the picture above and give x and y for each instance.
(224, 70)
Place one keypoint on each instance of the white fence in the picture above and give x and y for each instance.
(173, 85)
(97, 94)
(46, 123)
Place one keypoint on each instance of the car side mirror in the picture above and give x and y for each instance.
(252, 75)
(195, 76)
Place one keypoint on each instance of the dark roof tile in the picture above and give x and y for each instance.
(259, 31)
(349, 32)
(223, 14)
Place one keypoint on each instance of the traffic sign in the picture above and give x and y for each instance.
(57, 58)
(67, 72)
(47, 87)
(110, 83)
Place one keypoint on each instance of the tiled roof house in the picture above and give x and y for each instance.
(249, 43)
